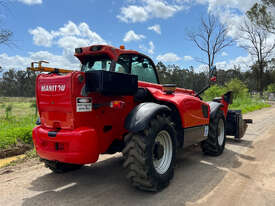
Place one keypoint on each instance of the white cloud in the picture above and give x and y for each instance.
(67, 37)
(150, 49)
(92, 36)
(132, 36)
(161, 9)
(168, 57)
(230, 4)
(8, 62)
(57, 61)
(243, 61)
(41, 37)
(21, 62)
(149, 9)
(133, 14)
(229, 12)
(69, 43)
(188, 58)
(224, 54)
(69, 29)
(31, 2)
(155, 28)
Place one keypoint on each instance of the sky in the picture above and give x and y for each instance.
(51, 29)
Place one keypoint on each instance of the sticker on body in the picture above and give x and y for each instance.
(83, 104)
(206, 131)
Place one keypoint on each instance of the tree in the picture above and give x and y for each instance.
(211, 38)
(255, 40)
(262, 14)
(17, 83)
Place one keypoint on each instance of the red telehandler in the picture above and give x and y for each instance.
(117, 104)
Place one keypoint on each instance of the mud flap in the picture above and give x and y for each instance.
(235, 124)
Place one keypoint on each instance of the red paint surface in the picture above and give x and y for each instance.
(81, 135)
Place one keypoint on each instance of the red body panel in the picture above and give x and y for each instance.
(57, 109)
(80, 146)
(82, 136)
(189, 106)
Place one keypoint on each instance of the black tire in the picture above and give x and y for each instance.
(212, 146)
(142, 150)
(60, 167)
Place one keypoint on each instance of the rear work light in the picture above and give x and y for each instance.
(78, 50)
(95, 48)
(117, 104)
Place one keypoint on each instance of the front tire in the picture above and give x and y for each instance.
(214, 144)
(150, 155)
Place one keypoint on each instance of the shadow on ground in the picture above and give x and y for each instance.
(104, 183)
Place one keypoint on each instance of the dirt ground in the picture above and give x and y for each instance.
(243, 175)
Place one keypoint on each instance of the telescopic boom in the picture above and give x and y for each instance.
(47, 69)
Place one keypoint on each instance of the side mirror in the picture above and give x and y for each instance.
(213, 74)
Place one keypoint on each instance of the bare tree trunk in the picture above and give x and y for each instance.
(211, 38)
(255, 40)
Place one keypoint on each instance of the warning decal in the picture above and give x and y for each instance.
(83, 104)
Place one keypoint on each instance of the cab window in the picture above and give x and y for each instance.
(101, 62)
(123, 64)
(143, 68)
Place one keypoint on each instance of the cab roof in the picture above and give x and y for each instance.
(112, 52)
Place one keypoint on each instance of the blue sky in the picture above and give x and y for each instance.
(50, 30)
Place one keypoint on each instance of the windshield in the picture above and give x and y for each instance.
(97, 63)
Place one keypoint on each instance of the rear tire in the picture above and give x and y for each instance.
(150, 155)
(60, 167)
(214, 144)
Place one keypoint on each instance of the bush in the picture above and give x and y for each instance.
(248, 104)
(238, 88)
(242, 100)
(271, 88)
(14, 129)
(214, 91)
(12, 135)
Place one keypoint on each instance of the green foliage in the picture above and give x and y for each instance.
(248, 104)
(19, 124)
(261, 15)
(13, 129)
(238, 88)
(17, 83)
(271, 88)
(33, 105)
(31, 154)
(8, 110)
(241, 101)
(214, 91)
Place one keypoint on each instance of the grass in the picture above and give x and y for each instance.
(20, 121)
(248, 104)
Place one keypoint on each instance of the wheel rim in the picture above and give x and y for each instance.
(220, 132)
(162, 160)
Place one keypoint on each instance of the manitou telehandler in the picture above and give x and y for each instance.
(117, 104)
